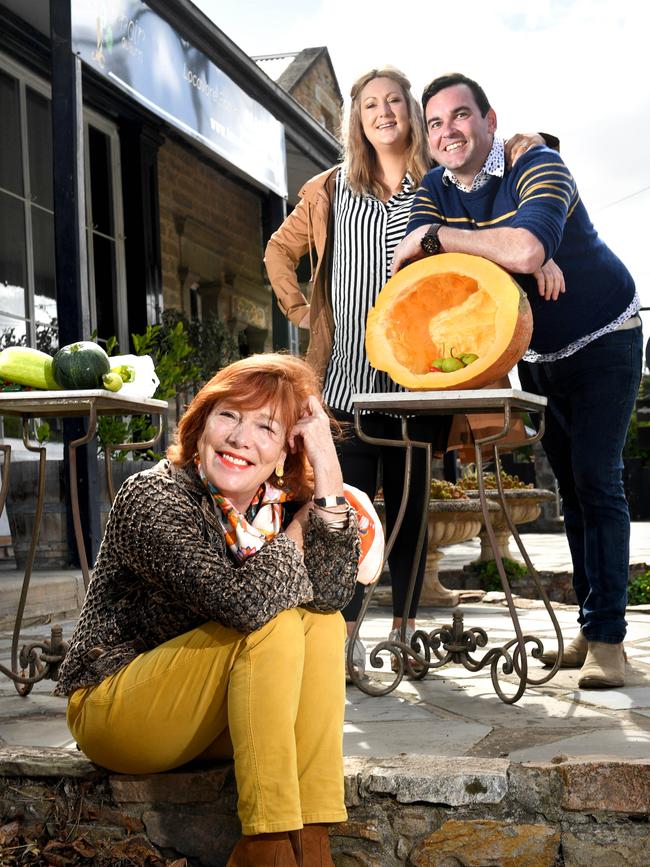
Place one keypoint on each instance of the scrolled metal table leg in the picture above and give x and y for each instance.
(24, 684)
(400, 651)
(110, 448)
(6, 469)
(518, 662)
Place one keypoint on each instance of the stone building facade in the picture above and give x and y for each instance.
(211, 246)
(309, 77)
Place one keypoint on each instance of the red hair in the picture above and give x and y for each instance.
(284, 382)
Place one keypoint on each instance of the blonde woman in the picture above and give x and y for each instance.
(350, 219)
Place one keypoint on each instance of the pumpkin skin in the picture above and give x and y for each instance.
(81, 365)
(444, 304)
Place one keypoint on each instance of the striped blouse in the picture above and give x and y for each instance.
(366, 232)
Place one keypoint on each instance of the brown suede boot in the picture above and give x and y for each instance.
(604, 666)
(574, 654)
(311, 846)
(263, 850)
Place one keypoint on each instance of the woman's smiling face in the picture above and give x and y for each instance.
(384, 114)
(240, 448)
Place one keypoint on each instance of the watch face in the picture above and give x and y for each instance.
(430, 243)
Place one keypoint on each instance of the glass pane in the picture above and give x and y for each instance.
(44, 274)
(105, 286)
(13, 268)
(11, 173)
(101, 187)
(12, 333)
(39, 142)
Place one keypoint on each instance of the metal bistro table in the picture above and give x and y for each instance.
(455, 643)
(60, 404)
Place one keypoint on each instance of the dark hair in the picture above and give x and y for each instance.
(283, 381)
(449, 80)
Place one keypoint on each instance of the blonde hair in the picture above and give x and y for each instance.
(360, 160)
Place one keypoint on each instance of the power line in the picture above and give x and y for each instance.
(625, 198)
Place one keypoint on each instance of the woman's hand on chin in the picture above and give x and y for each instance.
(313, 429)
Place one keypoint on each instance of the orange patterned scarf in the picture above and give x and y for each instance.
(246, 534)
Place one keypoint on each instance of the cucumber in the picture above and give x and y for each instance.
(27, 367)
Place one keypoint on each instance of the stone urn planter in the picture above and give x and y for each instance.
(449, 522)
(524, 505)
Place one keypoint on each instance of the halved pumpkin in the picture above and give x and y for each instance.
(447, 305)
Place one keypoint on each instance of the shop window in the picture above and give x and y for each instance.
(27, 269)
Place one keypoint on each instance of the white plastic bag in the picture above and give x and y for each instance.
(144, 382)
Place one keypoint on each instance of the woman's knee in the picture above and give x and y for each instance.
(283, 636)
(325, 627)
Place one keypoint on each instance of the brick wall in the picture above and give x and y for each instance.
(211, 234)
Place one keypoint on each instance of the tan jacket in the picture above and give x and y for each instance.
(307, 230)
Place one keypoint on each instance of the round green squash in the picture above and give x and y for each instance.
(81, 365)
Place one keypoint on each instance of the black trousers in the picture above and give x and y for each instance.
(367, 467)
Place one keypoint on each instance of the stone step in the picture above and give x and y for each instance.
(52, 594)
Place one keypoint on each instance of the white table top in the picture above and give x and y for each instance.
(75, 403)
(423, 402)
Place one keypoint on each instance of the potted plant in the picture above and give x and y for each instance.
(522, 500)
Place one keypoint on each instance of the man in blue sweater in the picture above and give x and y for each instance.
(585, 351)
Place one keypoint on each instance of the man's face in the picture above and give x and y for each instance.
(459, 138)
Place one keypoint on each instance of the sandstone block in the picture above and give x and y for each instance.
(486, 842)
(614, 786)
(182, 787)
(368, 830)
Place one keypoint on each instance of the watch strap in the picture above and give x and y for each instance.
(331, 500)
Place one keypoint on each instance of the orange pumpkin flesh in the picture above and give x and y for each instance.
(452, 303)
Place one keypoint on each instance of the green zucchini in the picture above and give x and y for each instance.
(27, 367)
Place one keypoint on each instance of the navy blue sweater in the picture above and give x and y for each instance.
(539, 194)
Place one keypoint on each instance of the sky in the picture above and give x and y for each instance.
(576, 68)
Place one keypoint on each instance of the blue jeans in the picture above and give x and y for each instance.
(591, 395)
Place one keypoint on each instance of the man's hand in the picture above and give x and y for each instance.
(409, 249)
(518, 144)
(550, 281)
(304, 322)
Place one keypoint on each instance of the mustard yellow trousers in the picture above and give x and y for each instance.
(273, 699)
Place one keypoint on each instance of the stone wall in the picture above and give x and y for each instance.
(421, 811)
(211, 236)
(317, 92)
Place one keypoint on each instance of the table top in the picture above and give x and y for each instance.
(433, 402)
(42, 404)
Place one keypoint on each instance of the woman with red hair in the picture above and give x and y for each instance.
(212, 623)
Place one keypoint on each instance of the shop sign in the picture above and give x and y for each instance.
(136, 49)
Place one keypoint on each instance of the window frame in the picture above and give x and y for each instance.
(25, 79)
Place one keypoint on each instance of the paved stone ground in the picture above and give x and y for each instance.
(452, 712)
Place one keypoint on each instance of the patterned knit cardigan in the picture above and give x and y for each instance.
(163, 569)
